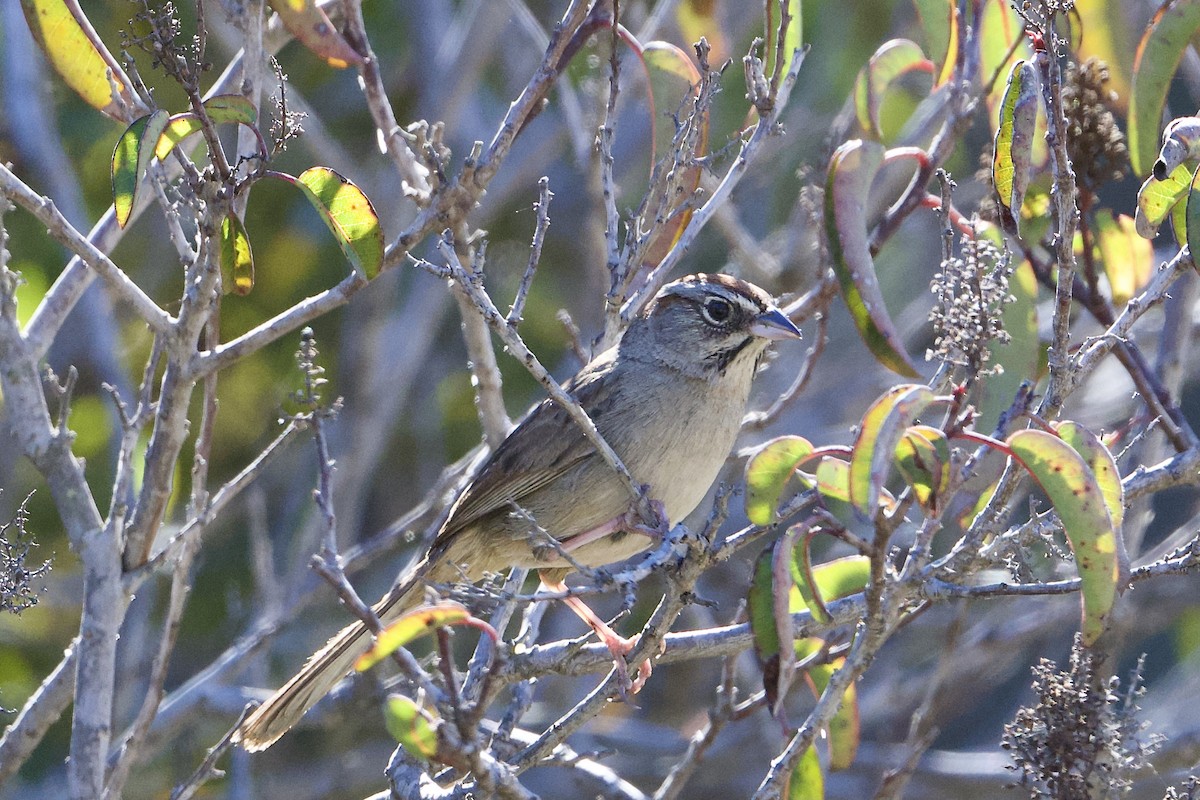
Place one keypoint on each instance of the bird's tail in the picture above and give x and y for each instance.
(327, 666)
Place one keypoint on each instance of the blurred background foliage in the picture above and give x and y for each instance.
(395, 354)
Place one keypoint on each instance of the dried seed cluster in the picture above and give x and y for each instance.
(970, 291)
(1094, 142)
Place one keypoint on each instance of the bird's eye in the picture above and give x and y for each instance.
(716, 311)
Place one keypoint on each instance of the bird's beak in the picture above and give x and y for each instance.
(772, 324)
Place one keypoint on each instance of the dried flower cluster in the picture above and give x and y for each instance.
(1094, 142)
(1082, 739)
(17, 590)
(970, 291)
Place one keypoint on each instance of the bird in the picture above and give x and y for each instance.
(668, 398)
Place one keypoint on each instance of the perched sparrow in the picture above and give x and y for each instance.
(669, 399)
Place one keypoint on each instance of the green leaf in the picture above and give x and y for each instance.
(842, 732)
(760, 607)
(1181, 142)
(923, 456)
(875, 446)
(349, 215)
(408, 627)
(807, 782)
(1013, 147)
(1157, 198)
(894, 59)
(73, 48)
(792, 37)
(829, 581)
(1128, 258)
(768, 471)
(221, 109)
(305, 20)
(1191, 236)
(1154, 65)
(940, 26)
(851, 171)
(408, 723)
(130, 158)
(1108, 478)
(1074, 492)
(237, 259)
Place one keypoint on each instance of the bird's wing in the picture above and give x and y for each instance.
(545, 444)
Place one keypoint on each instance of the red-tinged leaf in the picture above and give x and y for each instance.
(875, 446)
(75, 51)
(792, 37)
(348, 214)
(894, 59)
(851, 171)
(782, 606)
(807, 781)
(411, 726)
(130, 158)
(1128, 258)
(221, 109)
(843, 728)
(833, 484)
(1074, 492)
(923, 456)
(768, 471)
(671, 77)
(237, 259)
(698, 18)
(1013, 147)
(1154, 65)
(312, 28)
(1104, 467)
(1156, 199)
(408, 627)
(940, 25)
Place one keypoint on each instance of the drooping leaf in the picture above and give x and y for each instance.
(1181, 142)
(807, 781)
(221, 109)
(348, 214)
(833, 484)
(1157, 198)
(415, 623)
(130, 158)
(73, 48)
(792, 37)
(875, 446)
(305, 20)
(923, 456)
(894, 59)
(1128, 258)
(237, 259)
(1013, 147)
(408, 723)
(1191, 234)
(843, 728)
(671, 76)
(851, 171)
(767, 472)
(760, 607)
(1104, 467)
(1154, 65)
(1074, 492)
(940, 25)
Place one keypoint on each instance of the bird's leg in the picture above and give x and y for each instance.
(630, 522)
(618, 645)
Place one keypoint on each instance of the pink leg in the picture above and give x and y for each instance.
(629, 521)
(618, 645)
